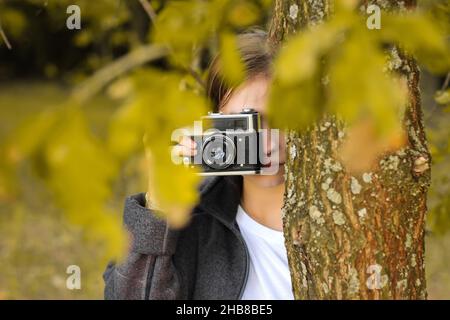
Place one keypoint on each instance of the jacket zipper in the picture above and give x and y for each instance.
(247, 268)
(247, 255)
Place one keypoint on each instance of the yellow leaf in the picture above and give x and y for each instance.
(232, 69)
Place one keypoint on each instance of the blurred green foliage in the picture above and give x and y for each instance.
(349, 60)
(38, 236)
(146, 115)
(34, 26)
(78, 155)
(66, 166)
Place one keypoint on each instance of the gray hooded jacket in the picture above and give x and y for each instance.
(207, 259)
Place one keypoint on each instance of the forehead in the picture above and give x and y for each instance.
(251, 94)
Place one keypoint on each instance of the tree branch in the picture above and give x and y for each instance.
(5, 38)
(102, 77)
(149, 10)
(446, 81)
(152, 15)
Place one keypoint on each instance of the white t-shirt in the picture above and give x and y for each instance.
(269, 276)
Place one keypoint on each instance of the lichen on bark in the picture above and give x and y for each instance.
(353, 236)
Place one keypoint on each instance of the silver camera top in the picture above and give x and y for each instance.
(244, 111)
(248, 115)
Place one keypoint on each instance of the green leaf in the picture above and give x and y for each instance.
(420, 36)
(165, 105)
(301, 56)
(364, 90)
(243, 14)
(443, 97)
(232, 70)
(80, 174)
(126, 130)
(184, 25)
(295, 106)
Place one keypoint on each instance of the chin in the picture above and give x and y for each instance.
(268, 181)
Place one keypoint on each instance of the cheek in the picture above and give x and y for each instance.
(282, 140)
(282, 146)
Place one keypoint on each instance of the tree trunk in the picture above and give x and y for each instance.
(353, 236)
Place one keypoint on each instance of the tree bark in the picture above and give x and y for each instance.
(353, 236)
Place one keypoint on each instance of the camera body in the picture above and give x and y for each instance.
(229, 145)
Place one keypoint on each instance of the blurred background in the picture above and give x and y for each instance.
(45, 66)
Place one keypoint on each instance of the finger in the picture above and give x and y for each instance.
(188, 142)
(184, 151)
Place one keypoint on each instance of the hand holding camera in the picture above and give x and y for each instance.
(186, 147)
(226, 144)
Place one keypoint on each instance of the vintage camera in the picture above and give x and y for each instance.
(229, 144)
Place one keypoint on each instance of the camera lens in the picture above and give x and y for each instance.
(218, 151)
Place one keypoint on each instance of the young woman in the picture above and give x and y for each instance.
(233, 247)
